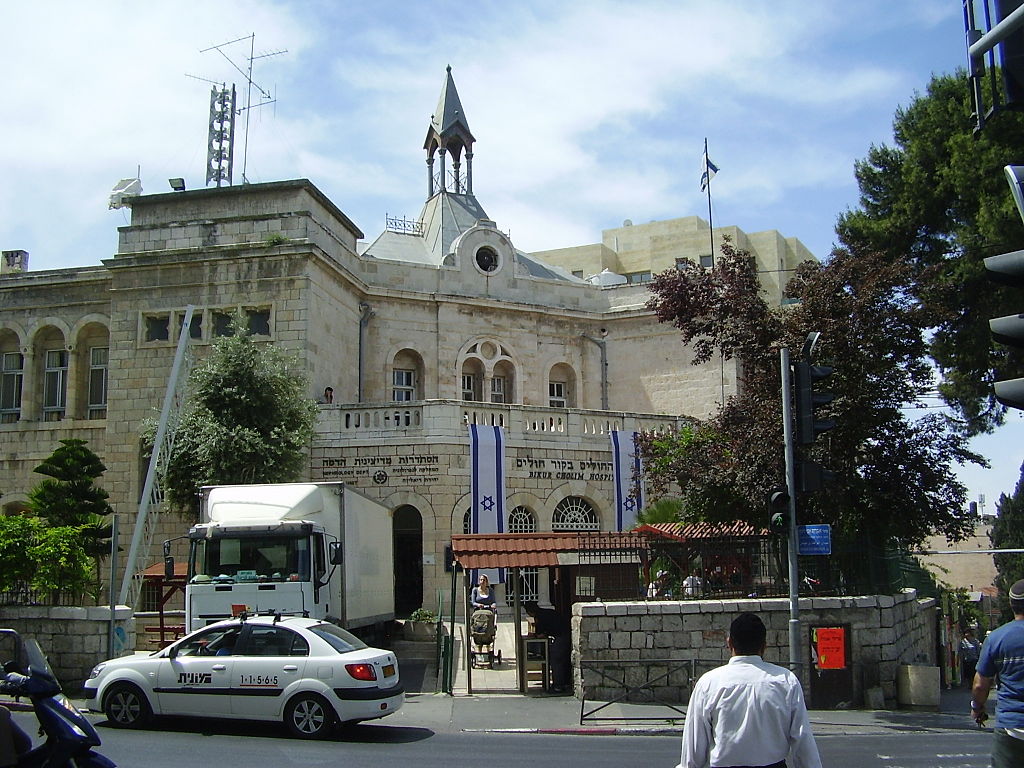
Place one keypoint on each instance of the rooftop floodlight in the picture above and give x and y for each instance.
(178, 185)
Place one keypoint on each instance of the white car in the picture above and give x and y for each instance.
(309, 673)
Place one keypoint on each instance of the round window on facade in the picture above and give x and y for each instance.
(487, 259)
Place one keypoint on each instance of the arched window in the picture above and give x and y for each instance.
(522, 520)
(562, 387)
(467, 522)
(407, 377)
(574, 514)
(12, 374)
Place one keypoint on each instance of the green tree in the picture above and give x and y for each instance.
(17, 534)
(895, 476)
(61, 562)
(248, 419)
(936, 201)
(1008, 533)
(70, 495)
(664, 510)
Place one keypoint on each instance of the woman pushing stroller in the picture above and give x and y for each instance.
(482, 595)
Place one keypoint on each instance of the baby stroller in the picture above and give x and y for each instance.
(483, 628)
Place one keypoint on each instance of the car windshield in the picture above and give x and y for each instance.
(338, 638)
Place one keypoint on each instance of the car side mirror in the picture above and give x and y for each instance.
(172, 652)
(168, 568)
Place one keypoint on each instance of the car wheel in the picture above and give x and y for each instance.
(309, 716)
(126, 706)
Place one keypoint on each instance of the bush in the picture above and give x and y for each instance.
(423, 614)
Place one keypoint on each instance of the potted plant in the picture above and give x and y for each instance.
(421, 625)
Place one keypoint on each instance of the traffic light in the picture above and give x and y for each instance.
(811, 476)
(1008, 269)
(808, 427)
(1011, 55)
(778, 510)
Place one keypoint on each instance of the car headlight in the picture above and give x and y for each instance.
(97, 669)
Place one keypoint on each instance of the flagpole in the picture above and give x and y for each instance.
(711, 237)
(711, 226)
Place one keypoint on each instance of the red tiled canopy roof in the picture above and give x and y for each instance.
(537, 550)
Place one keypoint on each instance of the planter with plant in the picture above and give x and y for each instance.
(421, 625)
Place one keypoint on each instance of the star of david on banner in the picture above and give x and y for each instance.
(487, 486)
(626, 474)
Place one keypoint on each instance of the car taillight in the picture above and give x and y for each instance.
(362, 671)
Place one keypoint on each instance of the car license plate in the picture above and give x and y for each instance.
(389, 670)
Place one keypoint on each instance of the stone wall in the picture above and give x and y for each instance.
(73, 639)
(886, 631)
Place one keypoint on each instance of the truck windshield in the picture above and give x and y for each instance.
(253, 558)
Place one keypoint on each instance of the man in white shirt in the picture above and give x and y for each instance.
(693, 585)
(748, 713)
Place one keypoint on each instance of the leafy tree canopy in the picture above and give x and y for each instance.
(69, 495)
(248, 419)
(895, 476)
(937, 202)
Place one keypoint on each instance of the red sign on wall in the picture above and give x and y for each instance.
(831, 645)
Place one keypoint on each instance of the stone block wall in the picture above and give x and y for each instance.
(73, 639)
(886, 631)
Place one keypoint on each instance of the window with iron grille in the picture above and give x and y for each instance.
(522, 520)
(55, 384)
(574, 514)
(97, 406)
(12, 369)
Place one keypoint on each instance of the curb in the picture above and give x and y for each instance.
(582, 731)
(16, 706)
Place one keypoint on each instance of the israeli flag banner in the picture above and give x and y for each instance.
(626, 469)
(487, 485)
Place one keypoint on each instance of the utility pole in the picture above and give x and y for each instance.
(794, 582)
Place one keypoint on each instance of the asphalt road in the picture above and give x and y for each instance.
(174, 742)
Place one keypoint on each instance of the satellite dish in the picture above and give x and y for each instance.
(123, 191)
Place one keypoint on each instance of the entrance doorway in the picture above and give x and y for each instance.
(407, 529)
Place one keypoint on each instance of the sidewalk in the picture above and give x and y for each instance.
(540, 713)
(496, 705)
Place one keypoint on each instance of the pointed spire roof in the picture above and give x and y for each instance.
(448, 121)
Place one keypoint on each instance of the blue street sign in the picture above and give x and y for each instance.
(814, 539)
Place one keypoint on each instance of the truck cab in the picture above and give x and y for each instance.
(255, 568)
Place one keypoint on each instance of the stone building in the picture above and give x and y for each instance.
(434, 324)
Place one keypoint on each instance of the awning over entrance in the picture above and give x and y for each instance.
(542, 550)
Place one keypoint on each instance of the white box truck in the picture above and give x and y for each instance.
(319, 549)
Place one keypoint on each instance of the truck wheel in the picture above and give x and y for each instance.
(309, 716)
(126, 706)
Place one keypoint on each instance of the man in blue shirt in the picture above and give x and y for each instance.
(1003, 655)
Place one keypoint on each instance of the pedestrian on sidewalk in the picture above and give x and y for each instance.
(970, 650)
(748, 712)
(1003, 655)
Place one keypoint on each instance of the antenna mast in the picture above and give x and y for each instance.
(223, 110)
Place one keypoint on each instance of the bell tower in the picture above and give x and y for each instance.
(449, 134)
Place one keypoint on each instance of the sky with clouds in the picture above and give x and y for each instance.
(585, 113)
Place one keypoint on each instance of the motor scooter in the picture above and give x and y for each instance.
(69, 737)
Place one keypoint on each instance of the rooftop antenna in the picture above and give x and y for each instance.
(220, 138)
(223, 128)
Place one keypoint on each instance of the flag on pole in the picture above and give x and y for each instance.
(487, 484)
(626, 468)
(708, 169)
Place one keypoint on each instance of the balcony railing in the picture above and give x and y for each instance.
(449, 418)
